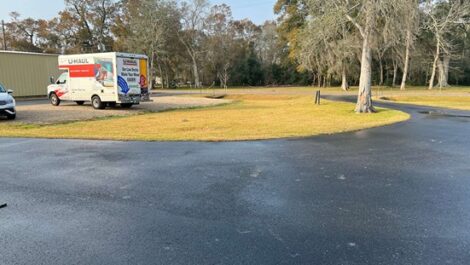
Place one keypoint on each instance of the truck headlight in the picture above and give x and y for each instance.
(10, 101)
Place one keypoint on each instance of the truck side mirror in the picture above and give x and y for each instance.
(51, 79)
(9, 91)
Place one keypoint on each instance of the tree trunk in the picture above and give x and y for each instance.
(344, 80)
(197, 82)
(167, 77)
(226, 76)
(434, 65)
(395, 73)
(409, 36)
(364, 99)
(446, 69)
(440, 75)
(152, 70)
(161, 76)
(443, 67)
(381, 72)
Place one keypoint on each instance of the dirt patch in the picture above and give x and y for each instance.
(44, 113)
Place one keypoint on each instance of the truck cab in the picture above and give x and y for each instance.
(59, 90)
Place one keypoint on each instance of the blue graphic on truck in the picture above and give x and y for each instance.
(122, 83)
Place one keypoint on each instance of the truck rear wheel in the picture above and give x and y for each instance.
(126, 105)
(97, 104)
(55, 100)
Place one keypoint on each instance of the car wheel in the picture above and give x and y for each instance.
(97, 104)
(80, 103)
(126, 105)
(11, 116)
(55, 100)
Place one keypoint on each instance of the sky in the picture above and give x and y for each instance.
(256, 10)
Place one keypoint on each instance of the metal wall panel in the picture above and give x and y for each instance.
(27, 73)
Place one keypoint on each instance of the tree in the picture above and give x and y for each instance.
(193, 16)
(411, 19)
(321, 42)
(292, 17)
(23, 33)
(327, 48)
(220, 42)
(146, 27)
(94, 18)
(364, 15)
(441, 18)
(268, 48)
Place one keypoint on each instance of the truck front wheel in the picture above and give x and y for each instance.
(97, 104)
(55, 100)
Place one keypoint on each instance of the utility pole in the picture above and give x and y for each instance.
(3, 36)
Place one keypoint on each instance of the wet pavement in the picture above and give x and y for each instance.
(393, 195)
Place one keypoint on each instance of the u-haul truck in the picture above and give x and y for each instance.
(105, 79)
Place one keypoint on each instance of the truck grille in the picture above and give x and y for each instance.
(2, 102)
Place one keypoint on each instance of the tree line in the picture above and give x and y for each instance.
(365, 42)
(326, 43)
(188, 42)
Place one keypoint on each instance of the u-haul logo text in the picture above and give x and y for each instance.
(128, 62)
(78, 61)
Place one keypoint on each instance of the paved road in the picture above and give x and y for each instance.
(392, 195)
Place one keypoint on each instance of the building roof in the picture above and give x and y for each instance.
(29, 53)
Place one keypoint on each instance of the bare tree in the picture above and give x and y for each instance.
(193, 16)
(28, 28)
(95, 18)
(220, 41)
(151, 22)
(364, 16)
(328, 48)
(412, 21)
(441, 17)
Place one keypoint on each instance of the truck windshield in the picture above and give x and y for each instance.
(2, 90)
(63, 78)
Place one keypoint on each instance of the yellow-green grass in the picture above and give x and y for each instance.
(312, 89)
(250, 117)
(452, 102)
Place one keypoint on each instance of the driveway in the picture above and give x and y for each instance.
(393, 195)
(41, 112)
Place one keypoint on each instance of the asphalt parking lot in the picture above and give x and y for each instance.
(41, 112)
(393, 195)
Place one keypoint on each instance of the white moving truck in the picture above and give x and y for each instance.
(105, 79)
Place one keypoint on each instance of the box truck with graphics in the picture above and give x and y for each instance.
(104, 79)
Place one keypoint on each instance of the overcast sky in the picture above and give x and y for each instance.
(256, 10)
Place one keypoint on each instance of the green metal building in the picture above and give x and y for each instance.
(27, 74)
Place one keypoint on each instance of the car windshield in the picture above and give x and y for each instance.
(2, 90)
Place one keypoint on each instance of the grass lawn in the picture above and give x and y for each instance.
(451, 97)
(452, 102)
(419, 90)
(250, 117)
